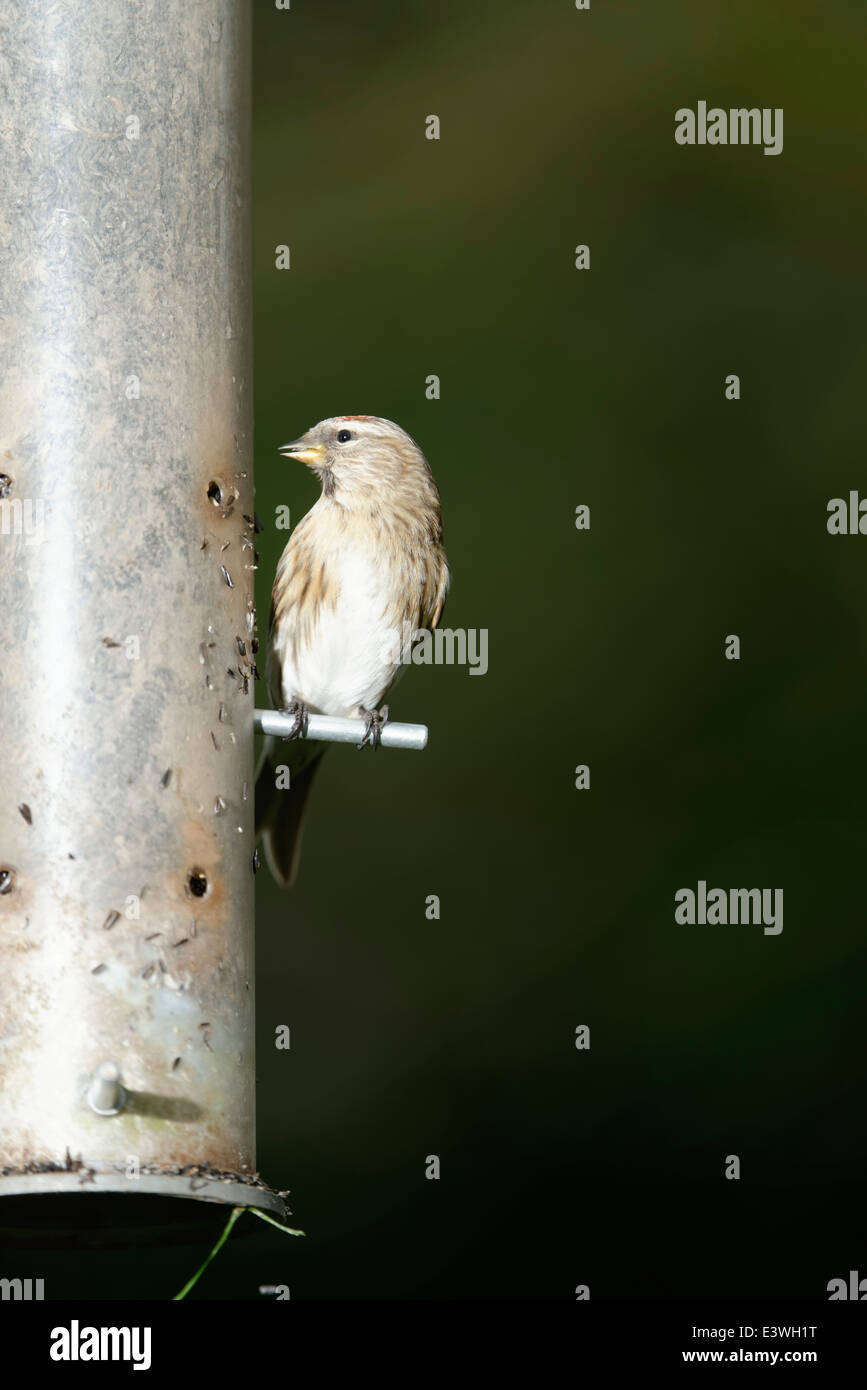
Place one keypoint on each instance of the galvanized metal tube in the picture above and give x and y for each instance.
(126, 575)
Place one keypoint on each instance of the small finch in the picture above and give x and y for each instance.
(364, 566)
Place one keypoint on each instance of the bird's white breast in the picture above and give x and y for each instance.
(347, 662)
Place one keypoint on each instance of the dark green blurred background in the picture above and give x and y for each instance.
(455, 1037)
(605, 387)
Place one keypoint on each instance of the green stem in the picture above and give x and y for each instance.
(290, 1231)
(236, 1212)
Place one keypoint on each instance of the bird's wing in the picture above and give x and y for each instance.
(304, 586)
(434, 588)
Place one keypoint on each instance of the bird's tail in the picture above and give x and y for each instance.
(280, 814)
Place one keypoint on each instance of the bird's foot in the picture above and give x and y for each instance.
(298, 711)
(374, 723)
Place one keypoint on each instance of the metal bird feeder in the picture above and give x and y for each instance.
(126, 573)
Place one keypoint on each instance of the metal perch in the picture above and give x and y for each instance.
(326, 729)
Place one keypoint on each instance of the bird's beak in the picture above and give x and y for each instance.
(302, 450)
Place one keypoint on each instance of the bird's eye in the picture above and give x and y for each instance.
(344, 436)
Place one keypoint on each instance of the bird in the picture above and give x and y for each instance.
(362, 569)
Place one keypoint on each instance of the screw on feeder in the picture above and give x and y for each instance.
(106, 1095)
